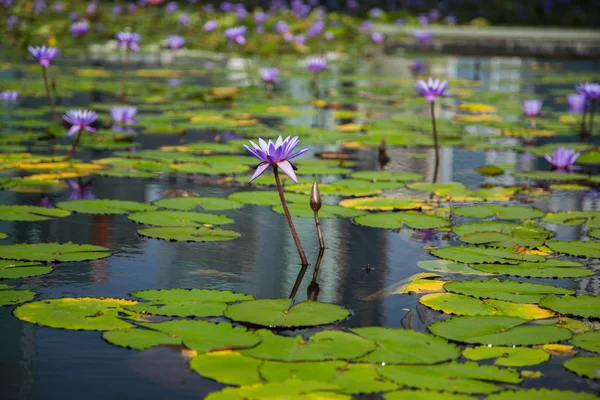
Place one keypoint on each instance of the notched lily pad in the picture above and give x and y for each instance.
(499, 211)
(178, 218)
(30, 213)
(104, 206)
(21, 269)
(582, 306)
(584, 366)
(579, 248)
(12, 297)
(397, 220)
(481, 255)
(189, 234)
(542, 394)
(520, 292)
(507, 356)
(53, 252)
(204, 203)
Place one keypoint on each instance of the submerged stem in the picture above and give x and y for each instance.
(70, 153)
(592, 111)
(50, 101)
(435, 142)
(319, 231)
(583, 115)
(124, 74)
(289, 217)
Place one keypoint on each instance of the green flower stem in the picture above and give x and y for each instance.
(592, 111)
(72, 150)
(124, 74)
(50, 101)
(435, 142)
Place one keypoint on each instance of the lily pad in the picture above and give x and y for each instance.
(497, 330)
(139, 339)
(281, 313)
(542, 394)
(552, 268)
(387, 176)
(581, 306)
(499, 211)
(266, 198)
(451, 303)
(104, 206)
(189, 234)
(227, 367)
(584, 366)
(293, 389)
(303, 210)
(579, 248)
(12, 297)
(53, 252)
(325, 345)
(466, 377)
(383, 203)
(19, 269)
(205, 203)
(396, 220)
(551, 176)
(573, 217)
(507, 356)
(520, 292)
(515, 229)
(30, 213)
(186, 302)
(448, 267)
(589, 341)
(82, 313)
(403, 346)
(481, 255)
(425, 395)
(332, 189)
(178, 218)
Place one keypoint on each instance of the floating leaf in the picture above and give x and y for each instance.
(552, 268)
(178, 218)
(227, 367)
(189, 234)
(397, 220)
(12, 297)
(403, 346)
(387, 176)
(265, 198)
(53, 252)
(334, 190)
(578, 248)
(589, 341)
(510, 228)
(186, 302)
(542, 394)
(19, 269)
(425, 395)
(449, 267)
(423, 282)
(281, 313)
(210, 169)
(581, 306)
(507, 356)
(104, 206)
(383, 203)
(499, 211)
(82, 313)
(139, 339)
(480, 255)
(466, 377)
(303, 210)
(520, 292)
(572, 217)
(205, 203)
(204, 336)
(30, 213)
(584, 366)
(497, 330)
(451, 303)
(293, 389)
(550, 176)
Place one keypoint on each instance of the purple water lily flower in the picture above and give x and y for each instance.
(316, 29)
(92, 8)
(210, 26)
(260, 17)
(241, 13)
(281, 27)
(423, 36)
(39, 6)
(376, 12)
(43, 54)
(423, 20)
(74, 15)
(269, 75)
(400, 21)
(171, 7)
(300, 39)
(79, 29)
(80, 120)
(590, 90)
(576, 103)
(58, 7)
(124, 115)
(12, 21)
(531, 108)
(9, 95)
(417, 67)
(328, 36)
(117, 10)
(183, 19)
(45, 202)
(316, 64)
(276, 154)
(80, 191)
(226, 6)
(562, 158)
(129, 40)
(175, 41)
(377, 37)
(366, 26)
(431, 89)
(236, 34)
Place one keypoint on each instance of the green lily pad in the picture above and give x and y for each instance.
(30, 213)
(3, 235)
(227, 367)
(383, 203)
(281, 313)
(582, 306)
(552, 268)
(584, 366)
(519, 292)
(481, 255)
(490, 170)
(573, 217)
(205, 203)
(19, 269)
(499, 211)
(507, 356)
(204, 336)
(425, 395)
(139, 339)
(515, 229)
(186, 302)
(457, 304)
(294, 389)
(551, 176)
(332, 189)
(82, 313)
(466, 377)
(210, 169)
(589, 341)
(325, 345)
(497, 330)
(387, 176)
(364, 184)
(449, 267)
(189, 234)
(486, 238)
(178, 218)
(266, 198)
(303, 210)
(104, 206)
(362, 379)
(396, 220)
(595, 233)
(579, 248)
(403, 346)
(12, 297)
(542, 394)
(53, 252)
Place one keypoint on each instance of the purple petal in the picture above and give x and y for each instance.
(296, 154)
(286, 167)
(74, 129)
(259, 170)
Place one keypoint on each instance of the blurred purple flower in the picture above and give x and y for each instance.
(417, 67)
(79, 29)
(316, 64)
(117, 10)
(260, 17)
(9, 95)
(129, 40)
(241, 12)
(80, 190)
(74, 15)
(531, 108)
(92, 8)
(276, 155)
(39, 6)
(226, 6)
(45, 202)
(377, 37)
(434, 14)
(210, 26)
(423, 20)
(431, 89)
(171, 7)
(366, 26)
(269, 75)
(12, 21)
(562, 158)
(576, 103)
(282, 27)
(328, 35)
(80, 120)
(376, 13)
(175, 42)
(58, 7)
(236, 35)
(43, 54)
(184, 19)
(423, 36)
(124, 115)
(131, 8)
(316, 28)
(300, 39)
(590, 90)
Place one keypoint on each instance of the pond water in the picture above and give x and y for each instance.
(40, 362)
